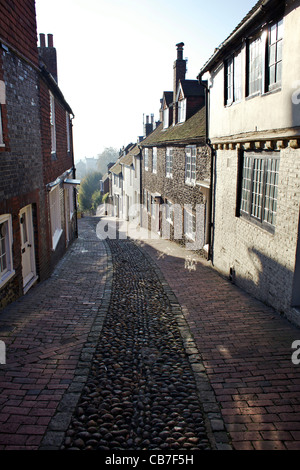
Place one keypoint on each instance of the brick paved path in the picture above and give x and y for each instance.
(246, 350)
(50, 336)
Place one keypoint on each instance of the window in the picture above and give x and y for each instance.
(146, 159)
(6, 260)
(166, 118)
(55, 216)
(259, 188)
(169, 162)
(275, 41)
(189, 225)
(181, 110)
(1, 129)
(154, 159)
(190, 164)
(68, 132)
(254, 83)
(233, 79)
(52, 125)
(169, 212)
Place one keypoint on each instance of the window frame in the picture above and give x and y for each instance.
(169, 162)
(154, 160)
(55, 216)
(9, 271)
(2, 143)
(252, 70)
(189, 220)
(277, 84)
(166, 118)
(189, 179)
(182, 105)
(52, 125)
(253, 192)
(146, 159)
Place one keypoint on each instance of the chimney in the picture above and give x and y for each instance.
(148, 127)
(179, 74)
(48, 54)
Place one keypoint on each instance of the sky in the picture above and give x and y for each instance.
(115, 58)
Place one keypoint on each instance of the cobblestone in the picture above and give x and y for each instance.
(141, 393)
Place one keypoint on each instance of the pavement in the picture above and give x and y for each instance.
(247, 381)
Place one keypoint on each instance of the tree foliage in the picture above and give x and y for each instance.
(89, 185)
(109, 155)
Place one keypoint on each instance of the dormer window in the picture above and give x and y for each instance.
(166, 118)
(182, 110)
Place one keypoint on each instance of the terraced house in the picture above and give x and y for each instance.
(254, 126)
(37, 208)
(176, 164)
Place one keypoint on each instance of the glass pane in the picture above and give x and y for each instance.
(280, 30)
(279, 72)
(272, 74)
(273, 34)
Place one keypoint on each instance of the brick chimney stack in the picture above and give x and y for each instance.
(48, 54)
(179, 74)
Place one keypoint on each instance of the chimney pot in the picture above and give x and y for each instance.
(180, 50)
(50, 40)
(42, 40)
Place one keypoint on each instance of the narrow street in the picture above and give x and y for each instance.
(139, 345)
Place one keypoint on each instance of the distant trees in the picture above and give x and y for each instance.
(109, 155)
(89, 192)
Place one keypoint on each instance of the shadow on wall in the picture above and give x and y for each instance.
(269, 281)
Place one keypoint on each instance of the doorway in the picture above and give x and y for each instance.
(27, 248)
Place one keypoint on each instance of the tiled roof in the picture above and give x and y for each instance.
(128, 159)
(192, 130)
(116, 169)
(192, 88)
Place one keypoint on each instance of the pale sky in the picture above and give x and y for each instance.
(115, 58)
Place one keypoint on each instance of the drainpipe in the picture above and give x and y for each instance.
(212, 166)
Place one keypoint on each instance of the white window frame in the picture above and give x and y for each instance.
(169, 162)
(55, 216)
(146, 159)
(154, 160)
(1, 129)
(9, 271)
(169, 212)
(182, 110)
(52, 124)
(190, 224)
(166, 118)
(68, 132)
(190, 164)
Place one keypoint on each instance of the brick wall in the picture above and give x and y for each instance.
(263, 262)
(18, 27)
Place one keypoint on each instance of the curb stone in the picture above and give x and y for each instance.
(59, 424)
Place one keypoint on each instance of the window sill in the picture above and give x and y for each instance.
(6, 277)
(266, 228)
(192, 184)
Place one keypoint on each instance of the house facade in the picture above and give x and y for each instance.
(27, 90)
(253, 126)
(176, 164)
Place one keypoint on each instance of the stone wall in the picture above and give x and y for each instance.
(260, 261)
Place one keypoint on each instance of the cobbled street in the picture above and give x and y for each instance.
(137, 344)
(141, 391)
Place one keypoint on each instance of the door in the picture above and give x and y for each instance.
(27, 247)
